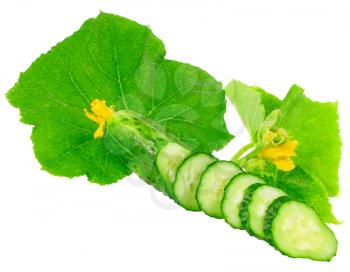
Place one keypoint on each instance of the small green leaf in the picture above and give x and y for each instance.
(122, 62)
(248, 103)
(269, 101)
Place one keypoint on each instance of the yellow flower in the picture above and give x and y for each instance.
(280, 155)
(100, 115)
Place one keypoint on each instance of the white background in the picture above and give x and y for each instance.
(53, 224)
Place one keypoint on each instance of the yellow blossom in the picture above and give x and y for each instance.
(100, 115)
(280, 155)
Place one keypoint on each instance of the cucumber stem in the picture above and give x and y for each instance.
(243, 150)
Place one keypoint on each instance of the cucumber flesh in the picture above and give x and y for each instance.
(233, 197)
(297, 231)
(260, 201)
(168, 160)
(188, 177)
(211, 187)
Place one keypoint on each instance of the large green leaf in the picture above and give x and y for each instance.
(122, 62)
(315, 126)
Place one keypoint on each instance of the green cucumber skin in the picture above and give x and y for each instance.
(136, 141)
(183, 162)
(271, 212)
(243, 210)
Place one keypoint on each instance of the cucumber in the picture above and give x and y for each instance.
(242, 199)
(146, 148)
(211, 187)
(168, 160)
(296, 230)
(136, 140)
(243, 207)
(261, 199)
(233, 197)
(188, 177)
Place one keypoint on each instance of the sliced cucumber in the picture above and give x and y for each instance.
(261, 199)
(233, 196)
(168, 160)
(243, 207)
(297, 231)
(211, 187)
(188, 177)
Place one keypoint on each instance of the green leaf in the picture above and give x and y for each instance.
(122, 62)
(269, 101)
(248, 103)
(315, 126)
(192, 107)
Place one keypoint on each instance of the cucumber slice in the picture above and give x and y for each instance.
(211, 187)
(168, 160)
(296, 230)
(233, 197)
(243, 207)
(188, 177)
(261, 199)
